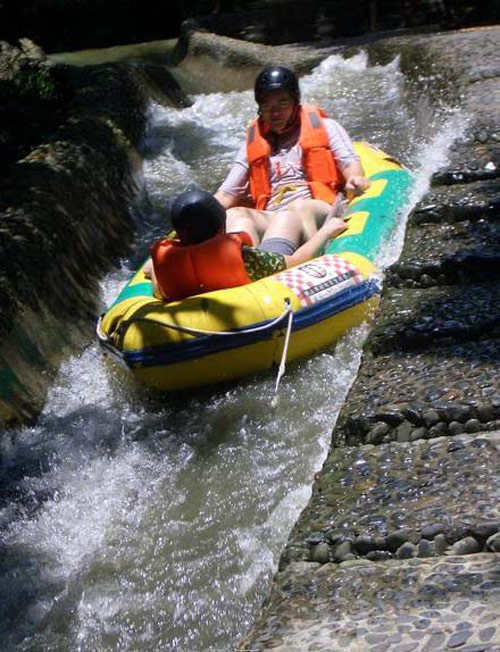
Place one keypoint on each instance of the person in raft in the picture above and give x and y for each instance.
(205, 257)
(295, 161)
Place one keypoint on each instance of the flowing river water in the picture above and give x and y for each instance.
(132, 522)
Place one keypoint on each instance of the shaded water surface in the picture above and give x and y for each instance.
(138, 522)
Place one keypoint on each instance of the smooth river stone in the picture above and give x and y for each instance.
(435, 642)
(486, 634)
(459, 638)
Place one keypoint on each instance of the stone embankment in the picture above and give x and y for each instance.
(68, 159)
(398, 546)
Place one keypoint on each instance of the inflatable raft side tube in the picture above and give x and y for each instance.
(239, 362)
(371, 217)
(206, 345)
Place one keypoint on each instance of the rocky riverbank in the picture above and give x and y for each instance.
(398, 546)
(69, 157)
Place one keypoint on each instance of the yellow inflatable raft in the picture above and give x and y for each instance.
(228, 334)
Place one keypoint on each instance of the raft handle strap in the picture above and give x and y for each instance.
(193, 331)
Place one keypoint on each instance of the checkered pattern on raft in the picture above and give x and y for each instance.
(320, 278)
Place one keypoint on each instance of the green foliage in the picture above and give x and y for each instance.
(35, 83)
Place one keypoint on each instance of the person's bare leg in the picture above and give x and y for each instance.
(286, 225)
(251, 220)
(311, 213)
(298, 222)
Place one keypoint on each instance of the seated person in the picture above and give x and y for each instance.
(294, 158)
(206, 258)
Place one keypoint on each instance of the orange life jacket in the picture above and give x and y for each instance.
(184, 270)
(324, 177)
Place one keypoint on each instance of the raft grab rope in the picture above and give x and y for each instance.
(288, 312)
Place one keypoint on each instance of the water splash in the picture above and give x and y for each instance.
(432, 155)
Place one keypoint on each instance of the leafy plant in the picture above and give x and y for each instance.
(36, 83)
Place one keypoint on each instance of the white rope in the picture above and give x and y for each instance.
(281, 369)
(195, 331)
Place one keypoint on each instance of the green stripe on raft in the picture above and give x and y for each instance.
(381, 219)
(131, 291)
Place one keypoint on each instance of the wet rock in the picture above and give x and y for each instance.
(377, 433)
(426, 281)
(435, 642)
(458, 639)
(493, 542)
(456, 532)
(486, 634)
(484, 529)
(458, 413)
(456, 445)
(392, 417)
(412, 415)
(334, 535)
(320, 553)
(465, 546)
(425, 548)
(343, 552)
(403, 432)
(431, 531)
(456, 428)
(485, 412)
(68, 200)
(439, 430)
(419, 433)
(314, 538)
(396, 539)
(472, 425)
(430, 417)
(406, 551)
(440, 544)
(364, 544)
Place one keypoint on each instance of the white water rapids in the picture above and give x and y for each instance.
(138, 523)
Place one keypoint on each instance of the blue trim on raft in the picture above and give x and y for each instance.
(207, 345)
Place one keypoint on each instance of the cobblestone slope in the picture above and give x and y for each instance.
(398, 546)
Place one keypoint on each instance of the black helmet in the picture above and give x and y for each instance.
(276, 78)
(197, 216)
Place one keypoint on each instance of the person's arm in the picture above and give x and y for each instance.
(355, 180)
(227, 200)
(235, 186)
(146, 270)
(343, 150)
(330, 229)
(156, 286)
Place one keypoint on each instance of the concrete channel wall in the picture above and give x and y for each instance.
(398, 546)
(70, 139)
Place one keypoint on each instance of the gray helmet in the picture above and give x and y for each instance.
(197, 216)
(276, 78)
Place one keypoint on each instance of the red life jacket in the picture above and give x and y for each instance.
(324, 176)
(216, 264)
